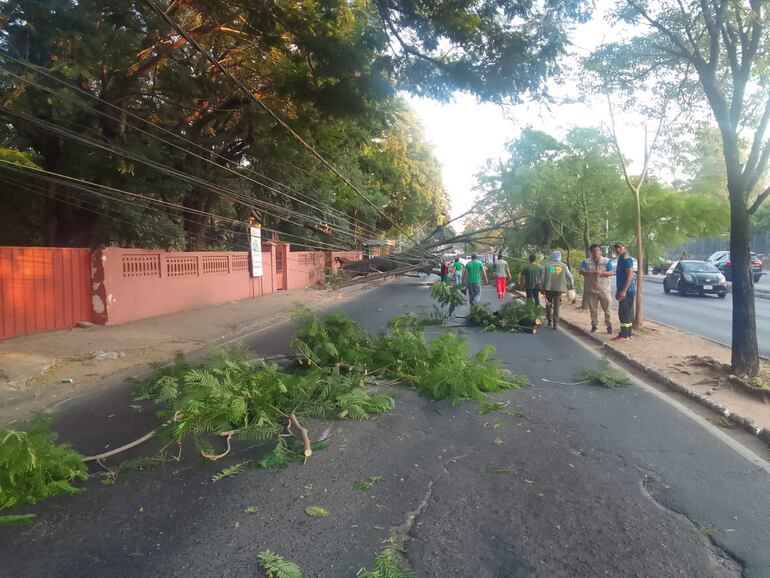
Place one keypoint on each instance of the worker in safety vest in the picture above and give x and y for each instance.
(555, 281)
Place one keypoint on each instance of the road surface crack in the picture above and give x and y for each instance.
(722, 559)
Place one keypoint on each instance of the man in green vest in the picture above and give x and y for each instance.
(474, 270)
(529, 279)
(556, 280)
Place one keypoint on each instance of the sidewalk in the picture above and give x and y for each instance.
(687, 363)
(40, 370)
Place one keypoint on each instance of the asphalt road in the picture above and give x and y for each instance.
(597, 482)
(705, 315)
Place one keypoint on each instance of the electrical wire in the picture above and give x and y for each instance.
(350, 221)
(223, 192)
(94, 207)
(170, 21)
(81, 184)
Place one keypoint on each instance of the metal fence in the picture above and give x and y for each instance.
(703, 247)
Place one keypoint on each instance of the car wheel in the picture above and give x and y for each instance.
(666, 288)
(721, 295)
(757, 278)
(681, 289)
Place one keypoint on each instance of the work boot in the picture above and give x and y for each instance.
(594, 328)
(609, 329)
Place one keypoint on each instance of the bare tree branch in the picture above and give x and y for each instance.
(696, 58)
(755, 165)
(758, 201)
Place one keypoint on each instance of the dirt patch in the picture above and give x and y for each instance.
(698, 364)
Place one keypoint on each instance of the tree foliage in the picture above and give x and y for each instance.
(34, 467)
(569, 193)
(670, 217)
(331, 69)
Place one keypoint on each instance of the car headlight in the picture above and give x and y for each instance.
(722, 279)
(689, 278)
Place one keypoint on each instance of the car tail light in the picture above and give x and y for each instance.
(756, 262)
(729, 264)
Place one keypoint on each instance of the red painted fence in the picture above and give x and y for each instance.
(46, 288)
(43, 289)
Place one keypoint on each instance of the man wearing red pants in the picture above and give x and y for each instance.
(502, 276)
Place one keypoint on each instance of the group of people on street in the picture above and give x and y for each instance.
(555, 279)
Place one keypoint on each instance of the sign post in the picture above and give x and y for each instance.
(255, 250)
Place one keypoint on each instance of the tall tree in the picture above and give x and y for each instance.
(718, 50)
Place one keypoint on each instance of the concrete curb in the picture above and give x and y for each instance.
(758, 293)
(741, 421)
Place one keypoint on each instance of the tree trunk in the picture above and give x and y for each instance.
(587, 243)
(195, 224)
(639, 312)
(745, 353)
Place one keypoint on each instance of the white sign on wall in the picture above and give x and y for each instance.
(255, 250)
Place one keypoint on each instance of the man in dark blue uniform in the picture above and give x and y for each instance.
(626, 291)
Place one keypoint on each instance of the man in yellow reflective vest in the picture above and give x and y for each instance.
(555, 281)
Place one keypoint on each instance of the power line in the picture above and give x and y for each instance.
(278, 119)
(81, 184)
(219, 190)
(95, 208)
(227, 194)
(330, 210)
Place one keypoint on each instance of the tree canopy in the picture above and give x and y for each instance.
(109, 93)
(569, 193)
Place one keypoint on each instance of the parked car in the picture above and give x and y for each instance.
(699, 277)
(721, 260)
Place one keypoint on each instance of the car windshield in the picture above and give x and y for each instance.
(699, 267)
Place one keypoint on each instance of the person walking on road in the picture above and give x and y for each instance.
(444, 272)
(556, 280)
(474, 271)
(626, 291)
(596, 272)
(458, 271)
(529, 280)
(502, 276)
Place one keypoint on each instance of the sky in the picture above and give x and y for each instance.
(465, 133)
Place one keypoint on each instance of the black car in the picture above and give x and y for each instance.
(695, 277)
(721, 260)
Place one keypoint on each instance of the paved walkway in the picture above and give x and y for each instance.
(41, 370)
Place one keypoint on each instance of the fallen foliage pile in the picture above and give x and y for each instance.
(387, 565)
(34, 467)
(339, 374)
(514, 316)
(605, 375)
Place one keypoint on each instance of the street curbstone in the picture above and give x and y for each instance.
(741, 421)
